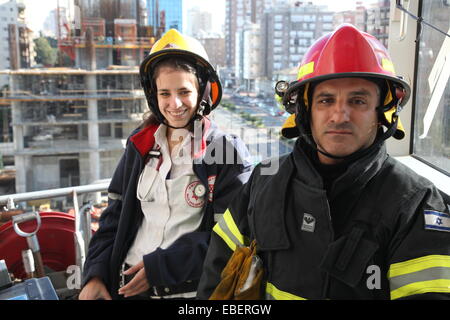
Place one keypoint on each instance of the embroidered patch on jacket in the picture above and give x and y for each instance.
(435, 220)
(194, 194)
(309, 222)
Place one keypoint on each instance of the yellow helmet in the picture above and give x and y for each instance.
(175, 44)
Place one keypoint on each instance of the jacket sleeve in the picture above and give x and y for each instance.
(419, 266)
(180, 262)
(100, 246)
(231, 230)
(183, 260)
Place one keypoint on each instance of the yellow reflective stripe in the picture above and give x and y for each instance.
(233, 227)
(414, 265)
(227, 229)
(305, 69)
(439, 285)
(280, 295)
(217, 229)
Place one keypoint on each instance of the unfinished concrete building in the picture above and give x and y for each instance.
(70, 124)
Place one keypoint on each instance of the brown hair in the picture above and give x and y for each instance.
(149, 118)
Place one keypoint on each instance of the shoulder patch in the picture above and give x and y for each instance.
(435, 220)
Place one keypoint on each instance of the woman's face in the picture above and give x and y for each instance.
(177, 93)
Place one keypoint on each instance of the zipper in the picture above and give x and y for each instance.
(326, 287)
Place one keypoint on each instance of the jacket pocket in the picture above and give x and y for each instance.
(346, 258)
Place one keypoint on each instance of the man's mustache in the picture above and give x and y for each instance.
(346, 126)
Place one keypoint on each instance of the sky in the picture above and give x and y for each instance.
(37, 11)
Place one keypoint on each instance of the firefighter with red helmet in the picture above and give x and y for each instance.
(177, 175)
(340, 219)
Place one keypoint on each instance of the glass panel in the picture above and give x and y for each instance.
(432, 117)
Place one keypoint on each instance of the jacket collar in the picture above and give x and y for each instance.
(144, 140)
(358, 173)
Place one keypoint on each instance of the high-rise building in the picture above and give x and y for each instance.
(165, 14)
(249, 56)
(289, 31)
(199, 22)
(214, 45)
(239, 13)
(15, 38)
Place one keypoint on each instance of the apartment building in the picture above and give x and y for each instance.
(288, 31)
(377, 20)
(240, 13)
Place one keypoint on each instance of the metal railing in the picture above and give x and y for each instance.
(83, 233)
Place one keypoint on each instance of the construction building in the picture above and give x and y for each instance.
(70, 124)
(17, 52)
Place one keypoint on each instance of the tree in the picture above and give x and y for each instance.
(45, 54)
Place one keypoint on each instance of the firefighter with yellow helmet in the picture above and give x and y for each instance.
(177, 175)
(340, 219)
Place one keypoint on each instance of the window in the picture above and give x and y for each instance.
(431, 138)
(296, 18)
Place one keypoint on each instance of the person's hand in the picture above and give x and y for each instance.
(95, 289)
(139, 282)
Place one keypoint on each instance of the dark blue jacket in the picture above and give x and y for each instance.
(120, 221)
(380, 232)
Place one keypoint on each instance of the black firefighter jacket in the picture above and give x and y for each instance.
(382, 232)
(222, 167)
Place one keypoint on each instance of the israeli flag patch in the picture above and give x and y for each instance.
(435, 220)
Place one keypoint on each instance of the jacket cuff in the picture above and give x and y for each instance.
(95, 270)
(152, 271)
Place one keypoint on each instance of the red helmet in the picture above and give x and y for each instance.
(348, 52)
(343, 53)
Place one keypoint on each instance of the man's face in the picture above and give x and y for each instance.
(343, 116)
